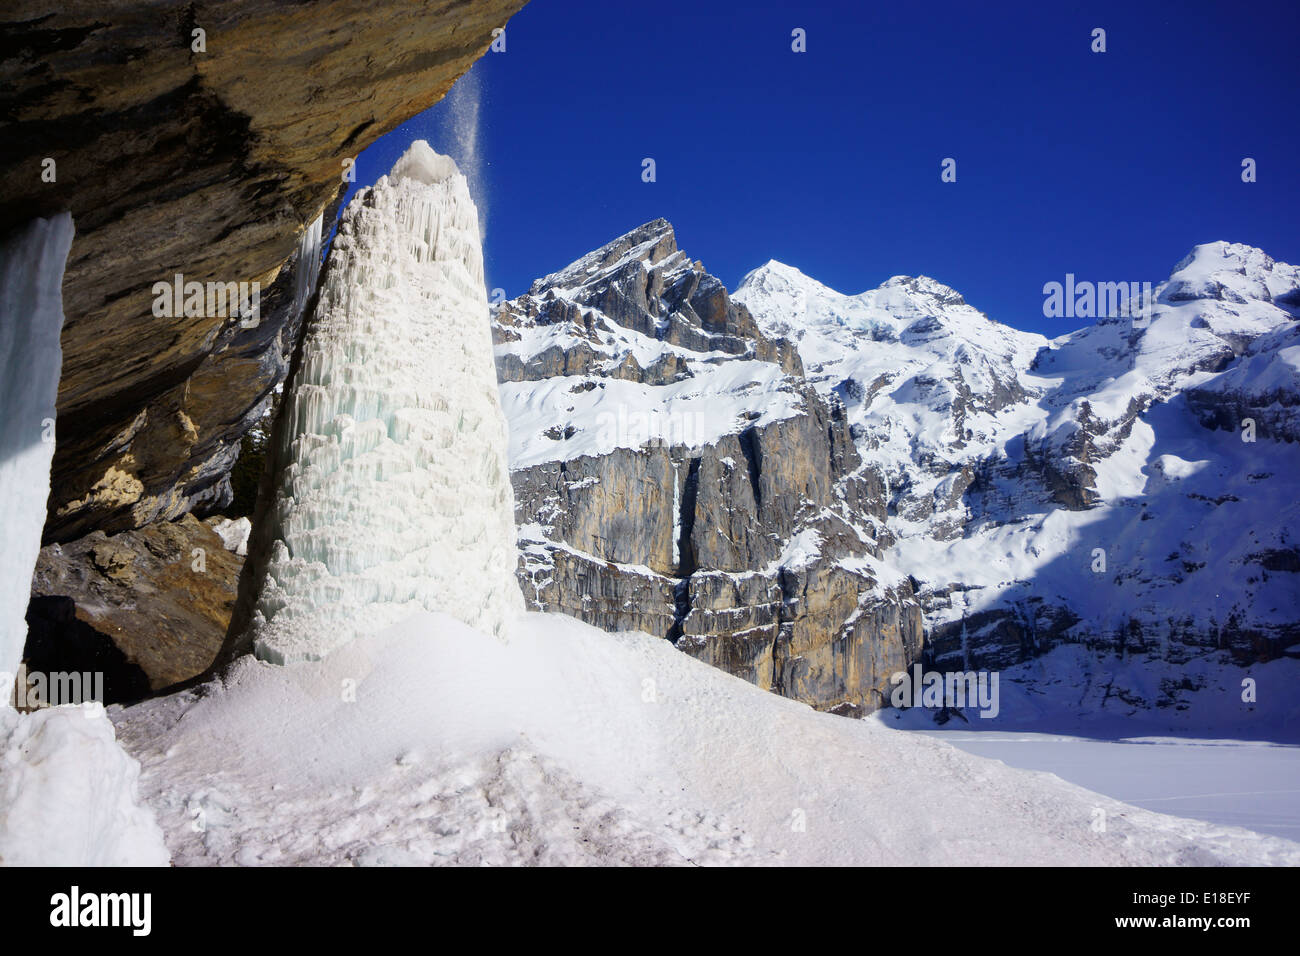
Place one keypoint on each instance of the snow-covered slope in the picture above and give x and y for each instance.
(930, 382)
(570, 745)
(393, 492)
(1094, 487)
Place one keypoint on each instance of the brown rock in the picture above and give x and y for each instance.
(162, 595)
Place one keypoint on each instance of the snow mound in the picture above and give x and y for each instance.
(429, 745)
(68, 793)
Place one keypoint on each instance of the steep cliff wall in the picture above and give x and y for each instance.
(675, 473)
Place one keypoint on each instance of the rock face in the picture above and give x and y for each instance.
(675, 473)
(1124, 486)
(149, 606)
(211, 162)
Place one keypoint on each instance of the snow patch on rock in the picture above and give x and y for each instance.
(234, 533)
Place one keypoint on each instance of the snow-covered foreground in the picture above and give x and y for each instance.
(431, 743)
(68, 793)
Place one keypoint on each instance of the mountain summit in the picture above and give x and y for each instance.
(1121, 487)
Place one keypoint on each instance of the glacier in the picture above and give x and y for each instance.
(392, 491)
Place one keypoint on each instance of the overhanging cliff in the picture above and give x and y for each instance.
(209, 163)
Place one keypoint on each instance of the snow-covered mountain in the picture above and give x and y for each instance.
(755, 517)
(1101, 487)
(675, 472)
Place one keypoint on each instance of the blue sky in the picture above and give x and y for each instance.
(1107, 165)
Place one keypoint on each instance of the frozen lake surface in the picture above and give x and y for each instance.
(1215, 756)
(1249, 784)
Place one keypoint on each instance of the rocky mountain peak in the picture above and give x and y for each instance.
(638, 309)
(649, 244)
(675, 472)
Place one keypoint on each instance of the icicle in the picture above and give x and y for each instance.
(308, 267)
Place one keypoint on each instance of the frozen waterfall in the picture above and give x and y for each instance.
(393, 491)
(31, 319)
(67, 789)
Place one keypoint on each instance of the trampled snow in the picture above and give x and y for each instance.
(429, 744)
(394, 494)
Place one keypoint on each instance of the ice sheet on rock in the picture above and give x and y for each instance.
(67, 790)
(393, 493)
(31, 318)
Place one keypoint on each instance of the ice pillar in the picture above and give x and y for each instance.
(393, 489)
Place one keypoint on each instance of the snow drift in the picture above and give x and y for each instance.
(68, 793)
(429, 744)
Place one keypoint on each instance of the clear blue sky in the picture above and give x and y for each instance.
(1111, 166)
